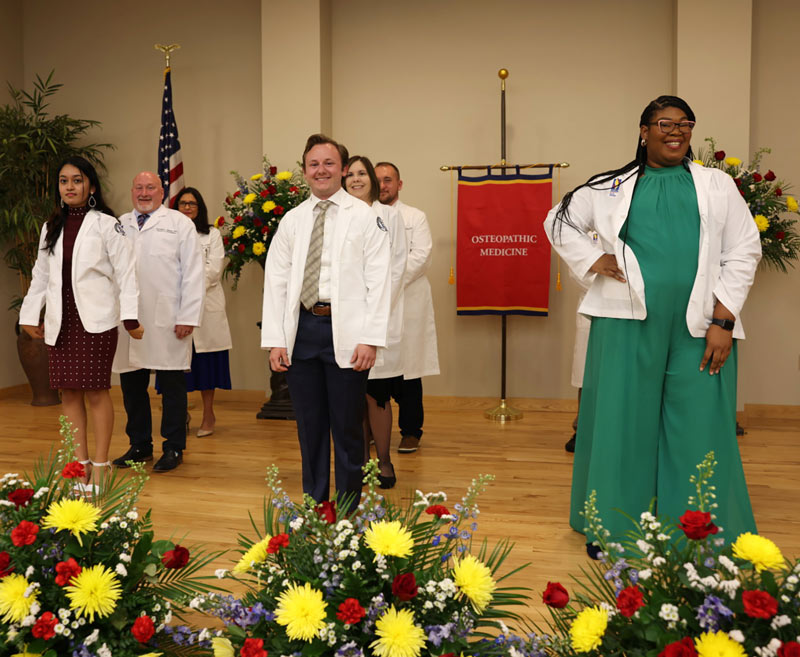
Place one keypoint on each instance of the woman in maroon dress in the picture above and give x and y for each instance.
(84, 275)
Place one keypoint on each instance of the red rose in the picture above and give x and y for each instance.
(143, 629)
(741, 191)
(265, 230)
(780, 235)
(437, 510)
(257, 222)
(237, 193)
(404, 587)
(759, 604)
(629, 600)
(66, 570)
(272, 189)
(789, 649)
(273, 171)
(237, 218)
(350, 611)
(278, 210)
(21, 496)
(220, 221)
(555, 595)
(277, 542)
(253, 648)
(5, 562)
(226, 240)
(697, 525)
(719, 155)
(263, 193)
(44, 628)
(72, 470)
(294, 190)
(241, 248)
(177, 557)
(228, 200)
(778, 191)
(683, 648)
(24, 533)
(326, 511)
(757, 177)
(738, 182)
(769, 175)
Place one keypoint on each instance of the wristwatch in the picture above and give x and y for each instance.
(726, 324)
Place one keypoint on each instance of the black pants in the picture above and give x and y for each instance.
(328, 400)
(411, 414)
(139, 427)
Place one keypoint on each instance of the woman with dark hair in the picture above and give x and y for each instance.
(84, 275)
(386, 377)
(212, 339)
(680, 251)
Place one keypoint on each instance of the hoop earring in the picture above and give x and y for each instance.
(62, 203)
(644, 142)
(92, 201)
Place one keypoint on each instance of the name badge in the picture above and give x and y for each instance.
(615, 187)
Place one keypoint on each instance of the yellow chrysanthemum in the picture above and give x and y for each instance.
(249, 198)
(397, 635)
(259, 248)
(25, 653)
(733, 161)
(268, 206)
(474, 580)
(718, 644)
(257, 176)
(759, 551)
(791, 204)
(302, 610)
(389, 538)
(588, 628)
(222, 647)
(75, 516)
(256, 554)
(762, 223)
(700, 162)
(94, 591)
(238, 232)
(152, 654)
(14, 604)
(284, 175)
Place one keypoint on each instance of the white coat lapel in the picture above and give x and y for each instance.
(156, 218)
(341, 225)
(302, 238)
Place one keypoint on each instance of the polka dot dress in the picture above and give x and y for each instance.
(79, 360)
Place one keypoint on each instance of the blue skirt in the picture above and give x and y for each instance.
(209, 370)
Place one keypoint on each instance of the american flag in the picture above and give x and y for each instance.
(170, 163)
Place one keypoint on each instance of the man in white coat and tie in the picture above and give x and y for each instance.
(169, 268)
(420, 351)
(327, 296)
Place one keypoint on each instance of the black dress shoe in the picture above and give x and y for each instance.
(387, 482)
(134, 453)
(169, 460)
(570, 446)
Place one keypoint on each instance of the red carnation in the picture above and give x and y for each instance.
(273, 171)
(759, 604)
(629, 600)
(780, 235)
(683, 648)
(143, 629)
(769, 176)
(555, 595)
(66, 570)
(757, 177)
(177, 557)
(326, 511)
(437, 510)
(404, 587)
(272, 189)
(21, 496)
(778, 191)
(220, 221)
(719, 155)
(257, 222)
(237, 193)
(241, 248)
(278, 210)
(263, 193)
(24, 533)
(789, 649)
(73, 470)
(237, 218)
(697, 525)
(293, 189)
(253, 648)
(45, 625)
(265, 230)
(277, 542)
(350, 611)
(741, 191)
(5, 562)
(738, 182)
(228, 200)
(226, 240)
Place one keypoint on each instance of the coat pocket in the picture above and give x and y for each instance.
(166, 311)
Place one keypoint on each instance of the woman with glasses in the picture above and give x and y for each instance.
(212, 339)
(659, 391)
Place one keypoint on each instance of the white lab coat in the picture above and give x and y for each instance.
(392, 364)
(360, 278)
(169, 268)
(213, 334)
(103, 279)
(420, 351)
(729, 253)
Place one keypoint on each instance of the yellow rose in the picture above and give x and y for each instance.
(762, 223)
(268, 206)
(249, 198)
(257, 176)
(791, 204)
(259, 248)
(284, 175)
(733, 161)
(700, 162)
(238, 232)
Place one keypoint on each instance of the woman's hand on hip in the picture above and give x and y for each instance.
(719, 343)
(606, 265)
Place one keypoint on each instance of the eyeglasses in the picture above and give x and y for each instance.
(668, 126)
(187, 204)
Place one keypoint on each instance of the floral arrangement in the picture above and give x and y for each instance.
(766, 196)
(255, 210)
(677, 590)
(383, 580)
(83, 576)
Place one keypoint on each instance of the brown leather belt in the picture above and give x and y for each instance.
(319, 309)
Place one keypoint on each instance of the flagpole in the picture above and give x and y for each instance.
(167, 50)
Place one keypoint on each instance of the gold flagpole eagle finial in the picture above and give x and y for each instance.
(167, 50)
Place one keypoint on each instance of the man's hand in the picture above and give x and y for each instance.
(363, 357)
(182, 331)
(136, 333)
(279, 359)
(606, 265)
(35, 332)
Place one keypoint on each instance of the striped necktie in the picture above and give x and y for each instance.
(141, 219)
(310, 290)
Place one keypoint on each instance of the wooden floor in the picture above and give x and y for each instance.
(222, 477)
